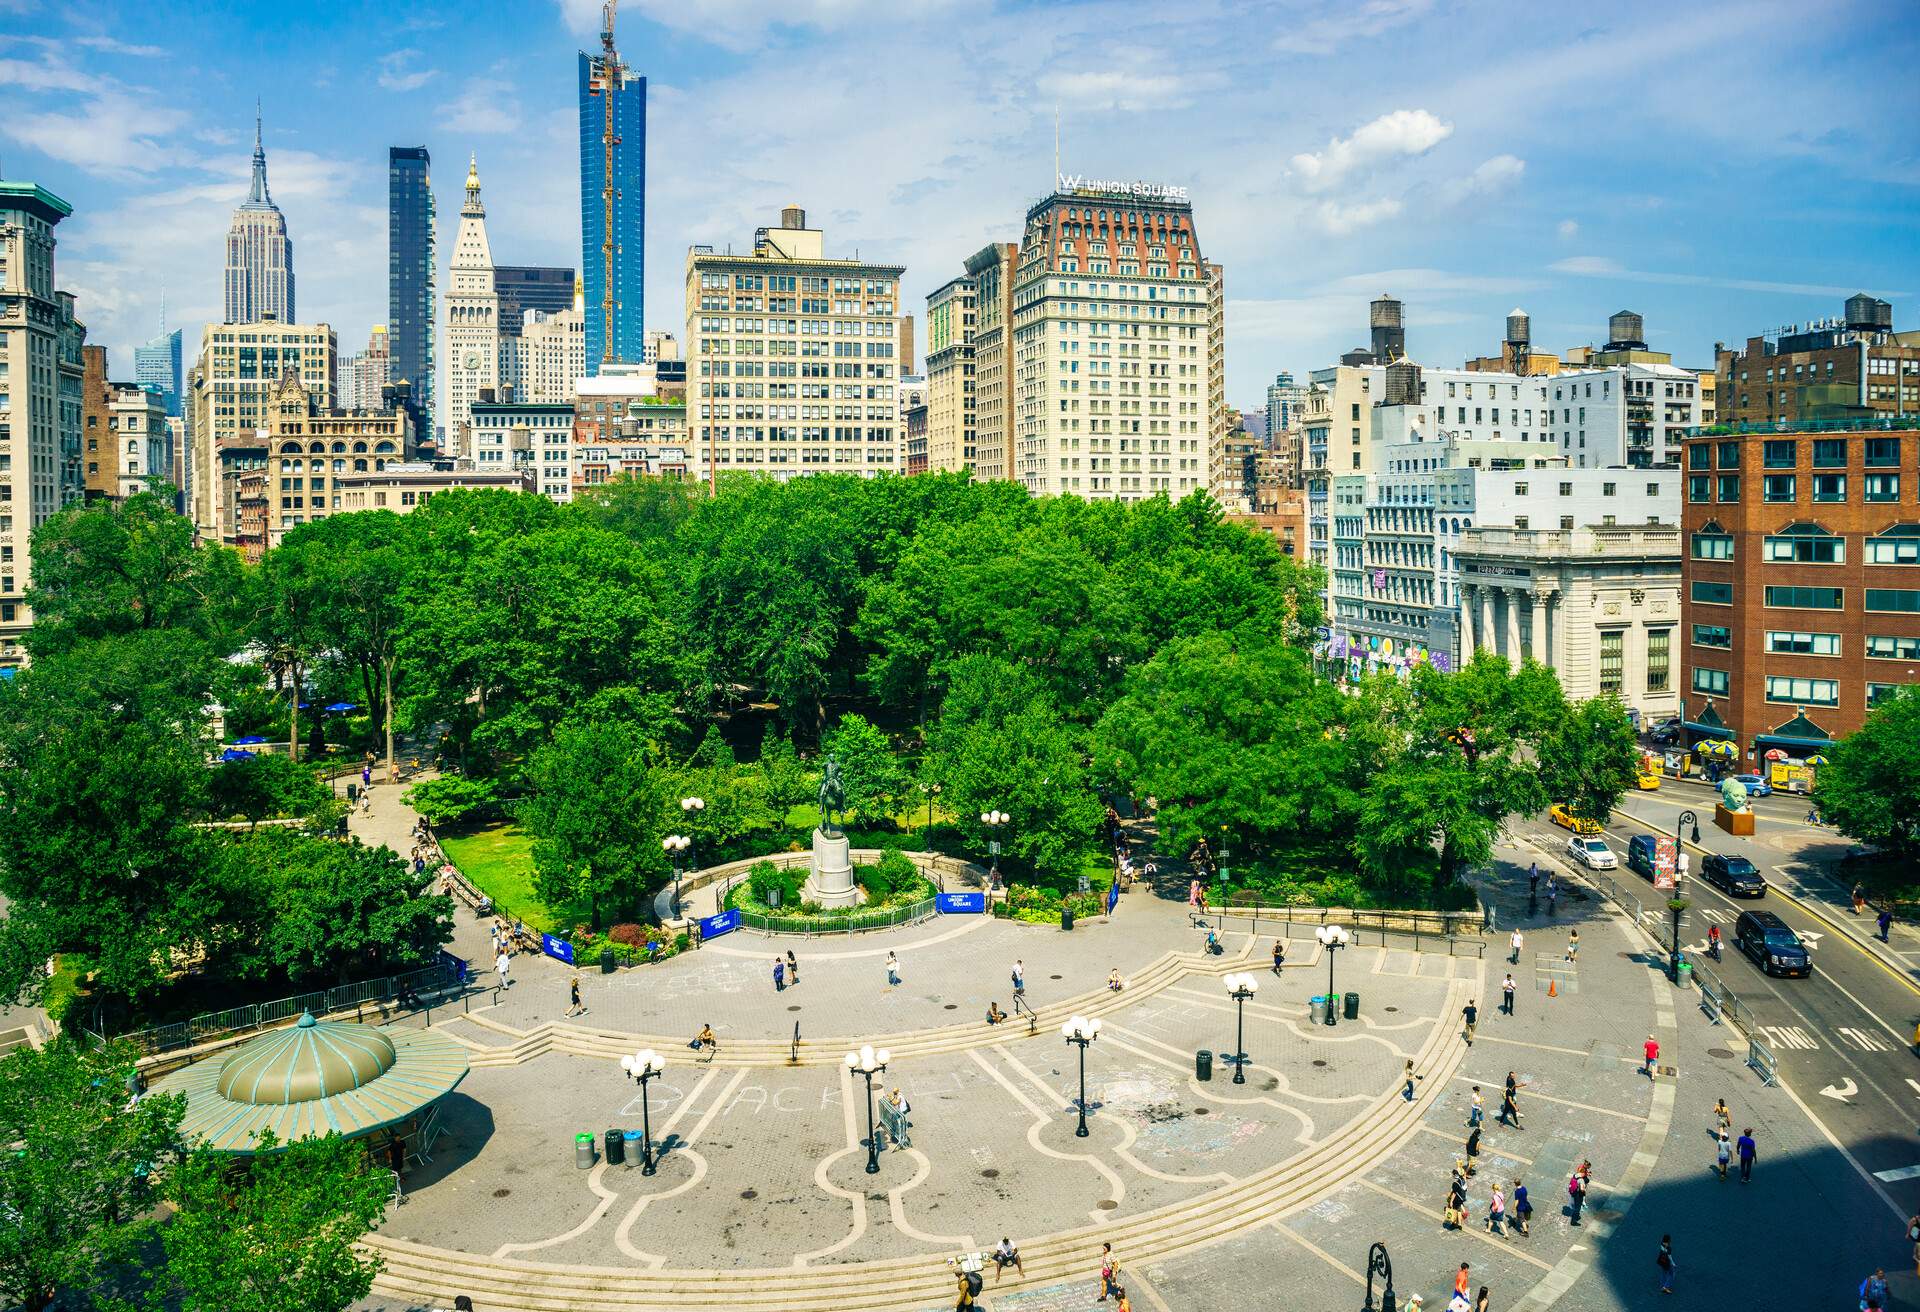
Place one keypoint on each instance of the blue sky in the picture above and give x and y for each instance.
(1722, 168)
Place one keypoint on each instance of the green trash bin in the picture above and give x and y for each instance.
(583, 1150)
(1353, 1006)
(1686, 974)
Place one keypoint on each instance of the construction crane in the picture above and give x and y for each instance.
(609, 74)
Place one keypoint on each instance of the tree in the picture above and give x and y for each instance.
(280, 1236)
(598, 811)
(265, 786)
(339, 910)
(1588, 757)
(289, 601)
(1868, 788)
(872, 774)
(74, 1172)
(450, 798)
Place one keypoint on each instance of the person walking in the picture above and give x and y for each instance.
(1454, 1217)
(1913, 1237)
(1665, 1262)
(793, 968)
(779, 975)
(1651, 1050)
(1461, 1281)
(1497, 1212)
(1109, 1273)
(1522, 1209)
(1473, 1151)
(1019, 979)
(1506, 994)
(1533, 880)
(1509, 1105)
(1723, 1152)
(1519, 940)
(501, 965)
(1722, 1118)
(1553, 893)
(575, 1007)
(1471, 1015)
(1885, 922)
(1576, 1195)
(1476, 1109)
(1484, 1301)
(1279, 954)
(1573, 945)
(1873, 1291)
(1747, 1150)
(893, 970)
(1407, 1092)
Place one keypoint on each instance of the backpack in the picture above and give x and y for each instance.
(974, 1282)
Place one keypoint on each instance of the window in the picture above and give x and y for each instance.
(1803, 598)
(1894, 599)
(1809, 692)
(1899, 545)
(1699, 487)
(1880, 692)
(1806, 544)
(1653, 491)
(1780, 455)
(1612, 659)
(1700, 456)
(1777, 487)
(1882, 452)
(1729, 487)
(1829, 487)
(1729, 455)
(1712, 635)
(1892, 647)
(1713, 681)
(1659, 659)
(1713, 594)
(1712, 542)
(1803, 644)
(1830, 453)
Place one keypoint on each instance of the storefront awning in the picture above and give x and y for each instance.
(1707, 730)
(1798, 735)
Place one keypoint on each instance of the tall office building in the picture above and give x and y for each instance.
(950, 377)
(992, 270)
(613, 204)
(41, 375)
(524, 287)
(156, 365)
(411, 271)
(473, 316)
(363, 378)
(259, 252)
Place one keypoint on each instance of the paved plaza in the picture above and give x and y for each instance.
(1214, 1194)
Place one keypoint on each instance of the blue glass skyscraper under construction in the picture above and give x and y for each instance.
(613, 150)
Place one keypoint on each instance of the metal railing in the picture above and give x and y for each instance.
(1459, 930)
(1875, 424)
(258, 1015)
(1716, 999)
(1763, 1062)
(852, 923)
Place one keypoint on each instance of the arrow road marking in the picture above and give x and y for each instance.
(1846, 1090)
(1811, 937)
(1897, 1175)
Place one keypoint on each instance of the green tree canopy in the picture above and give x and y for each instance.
(1588, 759)
(874, 777)
(1869, 788)
(598, 810)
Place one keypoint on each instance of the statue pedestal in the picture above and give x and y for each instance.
(831, 881)
(1738, 823)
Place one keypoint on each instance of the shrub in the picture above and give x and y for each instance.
(629, 934)
(764, 877)
(450, 798)
(886, 877)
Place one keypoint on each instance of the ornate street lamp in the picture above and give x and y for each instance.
(644, 1065)
(1332, 938)
(1081, 1032)
(1240, 988)
(869, 1063)
(1379, 1264)
(995, 821)
(677, 846)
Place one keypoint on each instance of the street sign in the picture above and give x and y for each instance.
(1664, 863)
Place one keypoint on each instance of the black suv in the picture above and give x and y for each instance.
(1774, 947)
(1735, 874)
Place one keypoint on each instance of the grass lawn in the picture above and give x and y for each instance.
(499, 861)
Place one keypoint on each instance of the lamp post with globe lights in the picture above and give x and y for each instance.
(869, 1063)
(644, 1065)
(1240, 988)
(1081, 1032)
(677, 846)
(995, 822)
(1332, 938)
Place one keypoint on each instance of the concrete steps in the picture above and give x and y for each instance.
(425, 1273)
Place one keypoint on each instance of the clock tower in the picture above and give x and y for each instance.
(473, 318)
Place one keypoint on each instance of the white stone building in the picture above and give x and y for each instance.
(473, 317)
(530, 437)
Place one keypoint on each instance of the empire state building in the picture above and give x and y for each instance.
(259, 252)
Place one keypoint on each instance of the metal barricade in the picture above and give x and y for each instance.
(1709, 996)
(1762, 1061)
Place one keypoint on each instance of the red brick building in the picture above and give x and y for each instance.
(1853, 366)
(1800, 602)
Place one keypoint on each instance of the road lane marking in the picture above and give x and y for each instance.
(1898, 1174)
(1862, 1040)
(1791, 1036)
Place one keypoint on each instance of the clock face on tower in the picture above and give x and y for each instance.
(473, 359)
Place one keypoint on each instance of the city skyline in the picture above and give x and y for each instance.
(1405, 158)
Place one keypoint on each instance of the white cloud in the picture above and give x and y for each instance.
(114, 135)
(1403, 133)
(1341, 218)
(487, 107)
(1118, 89)
(1568, 230)
(111, 46)
(1346, 23)
(395, 75)
(746, 24)
(1593, 266)
(1492, 178)
(1596, 266)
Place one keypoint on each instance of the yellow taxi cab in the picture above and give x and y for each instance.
(1560, 815)
(1646, 775)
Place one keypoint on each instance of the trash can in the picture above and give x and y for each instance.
(1066, 917)
(1353, 1006)
(353, 793)
(1318, 1009)
(1203, 1064)
(1686, 974)
(616, 1147)
(583, 1150)
(635, 1150)
(606, 962)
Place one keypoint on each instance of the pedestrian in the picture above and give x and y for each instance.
(1873, 1291)
(1484, 1301)
(575, 1007)
(779, 975)
(1461, 1281)
(1454, 1217)
(1885, 921)
(893, 970)
(1473, 1150)
(1407, 1092)
(965, 1290)
(1471, 1015)
(1553, 893)
(1913, 1237)
(1109, 1271)
(1506, 994)
(1476, 1109)
(1519, 940)
(1573, 945)
(501, 965)
(1651, 1049)
(1723, 1151)
(1665, 1262)
(1279, 954)
(1522, 1209)
(1019, 979)
(1496, 1212)
(1533, 879)
(1859, 898)
(1006, 1256)
(1509, 1106)
(1722, 1118)
(1748, 1150)
(793, 968)
(1576, 1195)
(1121, 1303)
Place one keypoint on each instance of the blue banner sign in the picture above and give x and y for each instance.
(724, 923)
(960, 904)
(557, 947)
(455, 967)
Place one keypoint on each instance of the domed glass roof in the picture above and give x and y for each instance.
(313, 1059)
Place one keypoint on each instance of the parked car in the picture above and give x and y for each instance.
(1757, 785)
(1772, 944)
(1734, 874)
(1566, 819)
(1593, 853)
(1665, 733)
(1640, 854)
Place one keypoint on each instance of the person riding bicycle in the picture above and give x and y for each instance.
(1713, 941)
(1213, 942)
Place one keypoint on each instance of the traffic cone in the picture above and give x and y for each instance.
(1553, 988)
